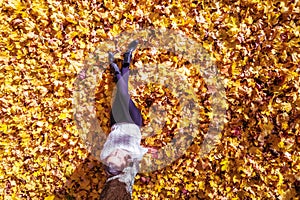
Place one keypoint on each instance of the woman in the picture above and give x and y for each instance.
(122, 152)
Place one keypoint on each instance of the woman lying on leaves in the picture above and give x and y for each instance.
(122, 151)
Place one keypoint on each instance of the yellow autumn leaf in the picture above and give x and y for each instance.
(224, 164)
(189, 187)
(201, 185)
(207, 46)
(72, 34)
(235, 69)
(280, 179)
(284, 125)
(69, 170)
(213, 184)
(3, 127)
(15, 197)
(51, 197)
(115, 30)
(281, 144)
(71, 18)
(63, 115)
(286, 106)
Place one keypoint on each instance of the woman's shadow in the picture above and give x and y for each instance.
(88, 179)
(86, 182)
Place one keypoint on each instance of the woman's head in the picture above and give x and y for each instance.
(116, 162)
(112, 170)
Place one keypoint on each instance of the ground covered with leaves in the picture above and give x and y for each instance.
(255, 46)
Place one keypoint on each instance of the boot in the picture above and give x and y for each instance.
(128, 55)
(113, 66)
(110, 57)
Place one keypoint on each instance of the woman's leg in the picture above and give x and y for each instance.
(120, 107)
(123, 108)
(135, 113)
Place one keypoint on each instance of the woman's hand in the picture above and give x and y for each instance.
(153, 152)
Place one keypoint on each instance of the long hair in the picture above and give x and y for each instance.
(115, 190)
